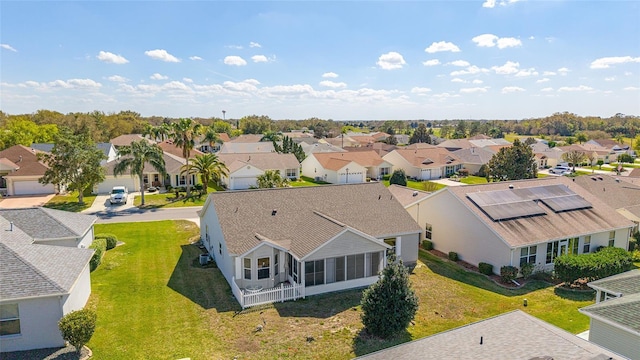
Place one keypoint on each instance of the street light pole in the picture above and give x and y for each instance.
(223, 114)
(347, 175)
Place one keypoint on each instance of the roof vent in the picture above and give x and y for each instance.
(617, 180)
(510, 186)
(274, 212)
(11, 226)
(415, 193)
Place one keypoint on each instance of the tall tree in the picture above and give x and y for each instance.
(184, 132)
(289, 147)
(420, 135)
(272, 179)
(574, 157)
(208, 166)
(512, 163)
(211, 136)
(389, 305)
(74, 161)
(134, 158)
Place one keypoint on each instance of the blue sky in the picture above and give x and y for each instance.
(355, 60)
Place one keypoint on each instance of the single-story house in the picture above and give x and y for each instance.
(613, 145)
(424, 163)
(473, 158)
(40, 281)
(20, 171)
(127, 139)
(345, 168)
(413, 201)
(293, 242)
(379, 147)
(205, 147)
(107, 148)
(546, 157)
(615, 317)
(248, 138)
(596, 152)
(517, 222)
(512, 335)
(244, 169)
(319, 147)
(247, 147)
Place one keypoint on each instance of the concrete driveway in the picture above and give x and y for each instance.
(101, 205)
(16, 202)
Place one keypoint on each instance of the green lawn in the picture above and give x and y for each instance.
(473, 180)
(420, 185)
(69, 202)
(307, 181)
(169, 200)
(154, 302)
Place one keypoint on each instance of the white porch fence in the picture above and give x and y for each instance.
(279, 293)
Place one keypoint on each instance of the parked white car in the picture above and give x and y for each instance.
(118, 195)
(560, 170)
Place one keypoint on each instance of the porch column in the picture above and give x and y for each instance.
(238, 268)
(398, 246)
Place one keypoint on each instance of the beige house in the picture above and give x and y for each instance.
(280, 244)
(517, 222)
(20, 171)
(615, 323)
(346, 168)
(424, 163)
(244, 169)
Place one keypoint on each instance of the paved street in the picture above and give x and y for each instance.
(135, 215)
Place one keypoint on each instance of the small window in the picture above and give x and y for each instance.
(220, 248)
(291, 173)
(392, 243)
(247, 268)
(612, 238)
(586, 247)
(428, 231)
(9, 320)
(528, 255)
(276, 266)
(263, 268)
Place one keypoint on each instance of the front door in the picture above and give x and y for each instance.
(562, 249)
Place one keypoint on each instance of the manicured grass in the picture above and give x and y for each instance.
(420, 185)
(539, 175)
(169, 200)
(154, 301)
(307, 181)
(473, 180)
(69, 202)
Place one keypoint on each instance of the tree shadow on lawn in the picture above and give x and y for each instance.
(365, 343)
(204, 286)
(320, 306)
(574, 295)
(455, 272)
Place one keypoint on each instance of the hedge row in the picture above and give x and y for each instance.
(606, 262)
(100, 246)
(111, 239)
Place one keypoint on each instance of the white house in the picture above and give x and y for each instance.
(20, 171)
(510, 223)
(41, 281)
(244, 169)
(108, 149)
(615, 323)
(345, 168)
(279, 244)
(424, 163)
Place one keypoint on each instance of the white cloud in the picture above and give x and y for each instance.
(254, 45)
(333, 84)
(161, 54)
(547, 89)
(442, 46)
(458, 80)
(242, 86)
(235, 61)
(549, 73)
(253, 82)
(526, 72)
(420, 90)
(432, 62)
(489, 4)
(157, 76)
(563, 71)
(8, 47)
(611, 78)
(83, 84)
(490, 40)
(543, 80)
(532, 37)
(631, 88)
(118, 78)
(390, 61)
(195, 58)
(477, 81)
(606, 62)
(575, 88)
(187, 80)
(460, 63)
(469, 71)
(511, 89)
(508, 68)
(628, 73)
(330, 75)
(111, 58)
(474, 90)
(259, 58)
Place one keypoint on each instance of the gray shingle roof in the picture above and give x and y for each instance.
(626, 283)
(624, 311)
(42, 223)
(617, 194)
(31, 270)
(407, 196)
(514, 335)
(307, 217)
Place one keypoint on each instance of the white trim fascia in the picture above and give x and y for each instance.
(13, 300)
(269, 243)
(609, 322)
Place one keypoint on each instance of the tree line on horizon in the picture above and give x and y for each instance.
(43, 125)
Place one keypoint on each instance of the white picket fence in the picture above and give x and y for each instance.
(280, 293)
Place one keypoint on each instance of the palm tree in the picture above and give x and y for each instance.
(136, 156)
(184, 133)
(272, 179)
(208, 166)
(211, 136)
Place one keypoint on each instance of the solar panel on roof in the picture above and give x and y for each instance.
(566, 203)
(512, 210)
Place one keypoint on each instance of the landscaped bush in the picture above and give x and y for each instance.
(168, 187)
(77, 327)
(485, 268)
(527, 270)
(606, 262)
(508, 273)
(635, 255)
(398, 177)
(427, 245)
(100, 246)
(111, 239)
(453, 256)
(463, 172)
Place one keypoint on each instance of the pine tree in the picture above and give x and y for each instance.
(512, 163)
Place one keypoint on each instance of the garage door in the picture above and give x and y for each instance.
(32, 188)
(242, 183)
(126, 181)
(351, 178)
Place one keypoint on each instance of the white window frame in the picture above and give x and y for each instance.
(6, 318)
(246, 261)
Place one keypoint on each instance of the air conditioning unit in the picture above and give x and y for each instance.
(204, 259)
(318, 178)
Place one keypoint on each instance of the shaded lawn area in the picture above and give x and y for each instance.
(154, 301)
(69, 202)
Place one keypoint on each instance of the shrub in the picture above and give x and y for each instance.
(111, 239)
(77, 327)
(100, 246)
(453, 256)
(485, 268)
(427, 245)
(527, 270)
(606, 262)
(198, 187)
(508, 273)
(389, 305)
(635, 255)
(168, 187)
(463, 172)
(398, 177)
